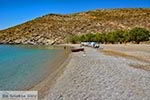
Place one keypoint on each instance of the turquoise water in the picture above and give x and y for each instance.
(23, 67)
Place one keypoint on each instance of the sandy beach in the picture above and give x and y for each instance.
(99, 76)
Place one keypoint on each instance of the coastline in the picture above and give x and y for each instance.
(55, 67)
(94, 74)
(25, 66)
(45, 85)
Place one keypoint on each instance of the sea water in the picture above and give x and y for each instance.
(22, 67)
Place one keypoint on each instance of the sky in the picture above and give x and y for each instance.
(14, 12)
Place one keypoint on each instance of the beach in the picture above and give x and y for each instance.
(55, 71)
(27, 67)
(100, 76)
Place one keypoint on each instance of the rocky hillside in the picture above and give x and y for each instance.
(54, 28)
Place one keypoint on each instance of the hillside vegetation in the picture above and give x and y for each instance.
(135, 35)
(54, 28)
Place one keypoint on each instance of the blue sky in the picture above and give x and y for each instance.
(13, 12)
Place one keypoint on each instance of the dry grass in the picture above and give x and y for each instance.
(125, 55)
(114, 53)
(121, 54)
(138, 66)
(145, 42)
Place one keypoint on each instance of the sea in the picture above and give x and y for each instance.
(24, 66)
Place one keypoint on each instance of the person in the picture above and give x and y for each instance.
(64, 47)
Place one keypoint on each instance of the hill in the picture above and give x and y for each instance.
(54, 28)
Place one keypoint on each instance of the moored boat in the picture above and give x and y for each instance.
(77, 49)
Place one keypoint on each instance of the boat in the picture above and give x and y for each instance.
(77, 49)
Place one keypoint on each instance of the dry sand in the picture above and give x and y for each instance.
(97, 76)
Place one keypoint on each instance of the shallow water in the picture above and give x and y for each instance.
(22, 67)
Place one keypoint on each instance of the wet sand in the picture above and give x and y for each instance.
(56, 70)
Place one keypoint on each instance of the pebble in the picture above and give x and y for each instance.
(101, 77)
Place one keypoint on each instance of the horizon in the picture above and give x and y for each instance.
(25, 10)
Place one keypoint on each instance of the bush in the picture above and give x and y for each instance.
(138, 35)
(100, 37)
(73, 39)
(120, 36)
(115, 37)
(90, 37)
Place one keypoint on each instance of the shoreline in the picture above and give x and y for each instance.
(29, 65)
(45, 85)
(78, 75)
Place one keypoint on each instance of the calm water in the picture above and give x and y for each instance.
(22, 67)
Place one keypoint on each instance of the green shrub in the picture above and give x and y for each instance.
(138, 35)
(120, 36)
(73, 39)
(83, 38)
(90, 37)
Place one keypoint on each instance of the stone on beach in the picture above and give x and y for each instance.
(101, 77)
